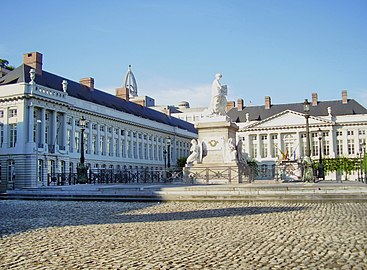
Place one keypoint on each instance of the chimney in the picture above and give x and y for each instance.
(230, 105)
(267, 102)
(34, 60)
(88, 82)
(240, 104)
(314, 99)
(123, 93)
(344, 97)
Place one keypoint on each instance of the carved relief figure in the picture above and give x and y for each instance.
(219, 101)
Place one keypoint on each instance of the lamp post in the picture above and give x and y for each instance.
(321, 166)
(168, 152)
(82, 169)
(307, 172)
(306, 108)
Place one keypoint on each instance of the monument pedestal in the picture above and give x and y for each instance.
(218, 162)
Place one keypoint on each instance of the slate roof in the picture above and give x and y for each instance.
(77, 90)
(258, 113)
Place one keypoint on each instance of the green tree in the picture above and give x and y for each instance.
(5, 64)
(181, 162)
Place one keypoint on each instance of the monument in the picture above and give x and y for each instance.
(215, 156)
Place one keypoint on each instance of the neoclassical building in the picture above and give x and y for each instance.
(40, 133)
(273, 132)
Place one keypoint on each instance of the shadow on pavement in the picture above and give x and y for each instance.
(20, 216)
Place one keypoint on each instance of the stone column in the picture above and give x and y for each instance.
(54, 130)
(112, 146)
(64, 130)
(258, 154)
(118, 150)
(72, 135)
(269, 145)
(30, 122)
(345, 143)
(43, 127)
(125, 143)
(98, 139)
(137, 145)
(90, 137)
(332, 142)
(298, 144)
(105, 140)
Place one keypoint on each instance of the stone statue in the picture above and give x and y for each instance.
(218, 102)
(232, 151)
(195, 153)
(307, 171)
(239, 152)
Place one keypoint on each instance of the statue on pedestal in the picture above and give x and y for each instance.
(218, 102)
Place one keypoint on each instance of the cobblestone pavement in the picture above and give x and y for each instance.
(182, 235)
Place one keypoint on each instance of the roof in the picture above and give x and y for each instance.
(77, 90)
(258, 113)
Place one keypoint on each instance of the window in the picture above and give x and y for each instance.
(68, 134)
(13, 135)
(94, 126)
(339, 133)
(1, 113)
(326, 148)
(101, 128)
(315, 148)
(101, 141)
(110, 130)
(274, 136)
(325, 134)
(339, 147)
(350, 147)
(77, 142)
(94, 144)
(303, 135)
(12, 112)
(109, 147)
(350, 132)
(115, 142)
(361, 132)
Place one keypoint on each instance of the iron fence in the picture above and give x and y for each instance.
(108, 176)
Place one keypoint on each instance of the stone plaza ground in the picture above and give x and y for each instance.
(182, 235)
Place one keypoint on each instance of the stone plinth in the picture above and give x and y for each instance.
(214, 134)
(217, 163)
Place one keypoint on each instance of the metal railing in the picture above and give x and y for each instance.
(109, 176)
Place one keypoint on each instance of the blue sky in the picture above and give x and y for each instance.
(286, 49)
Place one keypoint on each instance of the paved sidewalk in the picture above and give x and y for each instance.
(258, 191)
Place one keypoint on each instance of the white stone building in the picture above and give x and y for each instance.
(272, 132)
(40, 133)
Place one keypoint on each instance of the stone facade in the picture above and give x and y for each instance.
(40, 132)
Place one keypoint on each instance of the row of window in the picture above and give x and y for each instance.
(11, 113)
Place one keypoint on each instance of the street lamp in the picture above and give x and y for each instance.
(169, 152)
(321, 166)
(82, 169)
(306, 108)
(307, 172)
